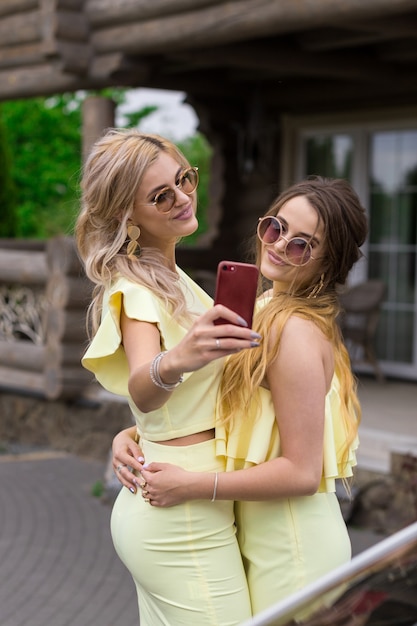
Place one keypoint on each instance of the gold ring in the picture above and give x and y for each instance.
(145, 493)
(146, 499)
(143, 485)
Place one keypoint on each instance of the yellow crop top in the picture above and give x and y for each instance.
(191, 406)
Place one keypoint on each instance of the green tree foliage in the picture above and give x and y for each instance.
(44, 139)
(44, 136)
(8, 203)
(134, 119)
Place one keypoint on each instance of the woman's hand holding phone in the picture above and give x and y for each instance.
(236, 287)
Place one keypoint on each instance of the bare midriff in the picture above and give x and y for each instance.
(190, 440)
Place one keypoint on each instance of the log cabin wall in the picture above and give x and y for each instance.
(244, 65)
(250, 68)
(43, 300)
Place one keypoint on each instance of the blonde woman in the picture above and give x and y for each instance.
(288, 413)
(155, 342)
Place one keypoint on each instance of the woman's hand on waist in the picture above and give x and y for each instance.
(166, 485)
(127, 458)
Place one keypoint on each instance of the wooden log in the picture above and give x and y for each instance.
(74, 57)
(23, 355)
(71, 292)
(21, 28)
(102, 12)
(25, 54)
(42, 80)
(8, 7)
(70, 5)
(62, 257)
(65, 354)
(70, 25)
(23, 244)
(22, 267)
(71, 375)
(67, 391)
(65, 325)
(235, 21)
(66, 383)
(15, 378)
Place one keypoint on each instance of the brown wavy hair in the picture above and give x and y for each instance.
(344, 224)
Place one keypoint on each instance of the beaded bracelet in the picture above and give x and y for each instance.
(156, 377)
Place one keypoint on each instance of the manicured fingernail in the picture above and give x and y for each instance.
(255, 335)
(241, 321)
(141, 459)
(132, 490)
(254, 344)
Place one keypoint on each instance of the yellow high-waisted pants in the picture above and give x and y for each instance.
(184, 560)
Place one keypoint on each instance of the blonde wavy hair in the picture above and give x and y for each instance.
(345, 227)
(112, 175)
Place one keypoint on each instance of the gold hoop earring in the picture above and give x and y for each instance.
(133, 248)
(316, 290)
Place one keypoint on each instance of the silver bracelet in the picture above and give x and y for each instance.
(156, 377)
(216, 478)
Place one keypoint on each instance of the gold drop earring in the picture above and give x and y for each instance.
(316, 290)
(133, 247)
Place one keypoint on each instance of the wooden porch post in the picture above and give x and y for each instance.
(98, 114)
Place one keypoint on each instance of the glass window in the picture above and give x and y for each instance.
(384, 165)
(393, 236)
(329, 155)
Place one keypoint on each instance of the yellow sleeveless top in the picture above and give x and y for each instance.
(253, 438)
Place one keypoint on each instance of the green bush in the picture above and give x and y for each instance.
(8, 200)
(43, 137)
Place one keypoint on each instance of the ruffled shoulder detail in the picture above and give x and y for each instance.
(251, 438)
(334, 464)
(254, 438)
(105, 356)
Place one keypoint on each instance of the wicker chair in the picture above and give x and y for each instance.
(359, 318)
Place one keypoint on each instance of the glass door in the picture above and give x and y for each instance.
(393, 239)
(382, 167)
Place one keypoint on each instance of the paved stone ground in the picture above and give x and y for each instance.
(58, 566)
(57, 562)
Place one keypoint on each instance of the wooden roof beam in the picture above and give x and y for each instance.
(282, 61)
(297, 97)
(352, 35)
(400, 51)
(234, 21)
(111, 12)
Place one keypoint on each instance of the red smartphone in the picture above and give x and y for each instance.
(236, 287)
